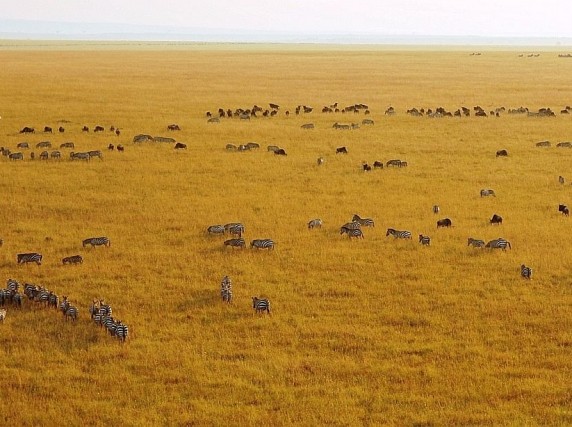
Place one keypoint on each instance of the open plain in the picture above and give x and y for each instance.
(365, 331)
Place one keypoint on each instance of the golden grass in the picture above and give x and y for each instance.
(375, 331)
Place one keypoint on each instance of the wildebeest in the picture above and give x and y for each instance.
(173, 127)
(67, 145)
(342, 150)
(366, 167)
(273, 148)
(22, 145)
(48, 129)
(564, 210)
(27, 129)
(377, 164)
(117, 132)
(85, 129)
(231, 147)
(98, 128)
(16, 156)
(308, 126)
(180, 146)
(502, 153)
(564, 144)
(120, 148)
(496, 219)
(543, 144)
(446, 222)
(44, 144)
(61, 129)
(111, 147)
(253, 145)
(280, 152)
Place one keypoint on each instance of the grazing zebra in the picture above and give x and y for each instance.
(16, 156)
(315, 223)
(436, 209)
(80, 156)
(52, 300)
(499, 243)
(2, 315)
(526, 272)
(74, 259)
(56, 155)
(121, 331)
(475, 243)
(424, 240)
(365, 222)
(398, 234)
(261, 305)
(236, 230)
(95, 153)
(236, 243)
(352, 232)
(97, 241)
(216, 229)
(226, 289)
(487, 192)
(262, 244)
(394, 162)
(30, 257)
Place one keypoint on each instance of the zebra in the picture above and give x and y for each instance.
(52, 300)
(394, 162)
(315, 223)
(121, 331)
(2, 315)
(97, 241)
(436, 209)
(398, 234)
(351, 225)
(236, 230)
(236, 243)
(216, 229)
(80, 156)
(262, 244)
(95, 153)
(30, 257)
(226, 289)
(475, 243)
(424, 240)
(365, 222)
(110, 325)
(70, 311)
(525, 272)
(320, 161)
(499, 243)
(74, 259)
(16, 156)
(487, 192)
(352, 232)
(12, 285)
(261, 305)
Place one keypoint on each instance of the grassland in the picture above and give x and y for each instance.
(363, 332)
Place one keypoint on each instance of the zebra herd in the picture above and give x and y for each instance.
(99, 311)
(237, 229)
(260, 305)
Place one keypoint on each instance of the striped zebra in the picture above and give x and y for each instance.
(53, 300)
(216, 229)
(80, 156)
(315, 223)
(262, 244)
(97, 241)
(226, 289)
(235, 243)
(475, 243)
(74, 259)
(42, 296)
(398, 234)
(30, 257)
(121, 331)
(16, 156)
(2, 315)
(69, 311)
(365, 222)
(424, 240)
(525, 272)
(351, 225)
(487, 192)
(436, 209)
(95, 153)
(499, 243)
(352, 232)
(12, 285)
(261, 305)
(110, 325)
(394, 162)
(236, 230)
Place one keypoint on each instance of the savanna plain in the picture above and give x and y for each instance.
(372, 331)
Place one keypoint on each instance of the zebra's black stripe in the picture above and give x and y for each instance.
(262, 244)
(97, 241)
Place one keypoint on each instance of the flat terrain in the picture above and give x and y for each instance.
(366, 331)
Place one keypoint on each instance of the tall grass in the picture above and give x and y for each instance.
(373, 331)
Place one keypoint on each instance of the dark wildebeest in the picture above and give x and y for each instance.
(496, 219)
(117, 132)
(61, 129)
(173, 127)
(98, 129)
(563, 209)
(180, 146)
(85, 129)
(120, 148)
(48, 129)
(280, 152)
(378, 164)
(502, 153)
(342, 150)
(110, 147)
(444, 223)
(366, 167)
(27, 129)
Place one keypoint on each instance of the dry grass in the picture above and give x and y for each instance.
(369, 332)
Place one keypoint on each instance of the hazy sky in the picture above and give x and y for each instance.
(403, 17)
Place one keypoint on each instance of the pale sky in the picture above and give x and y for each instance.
(523, 18)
